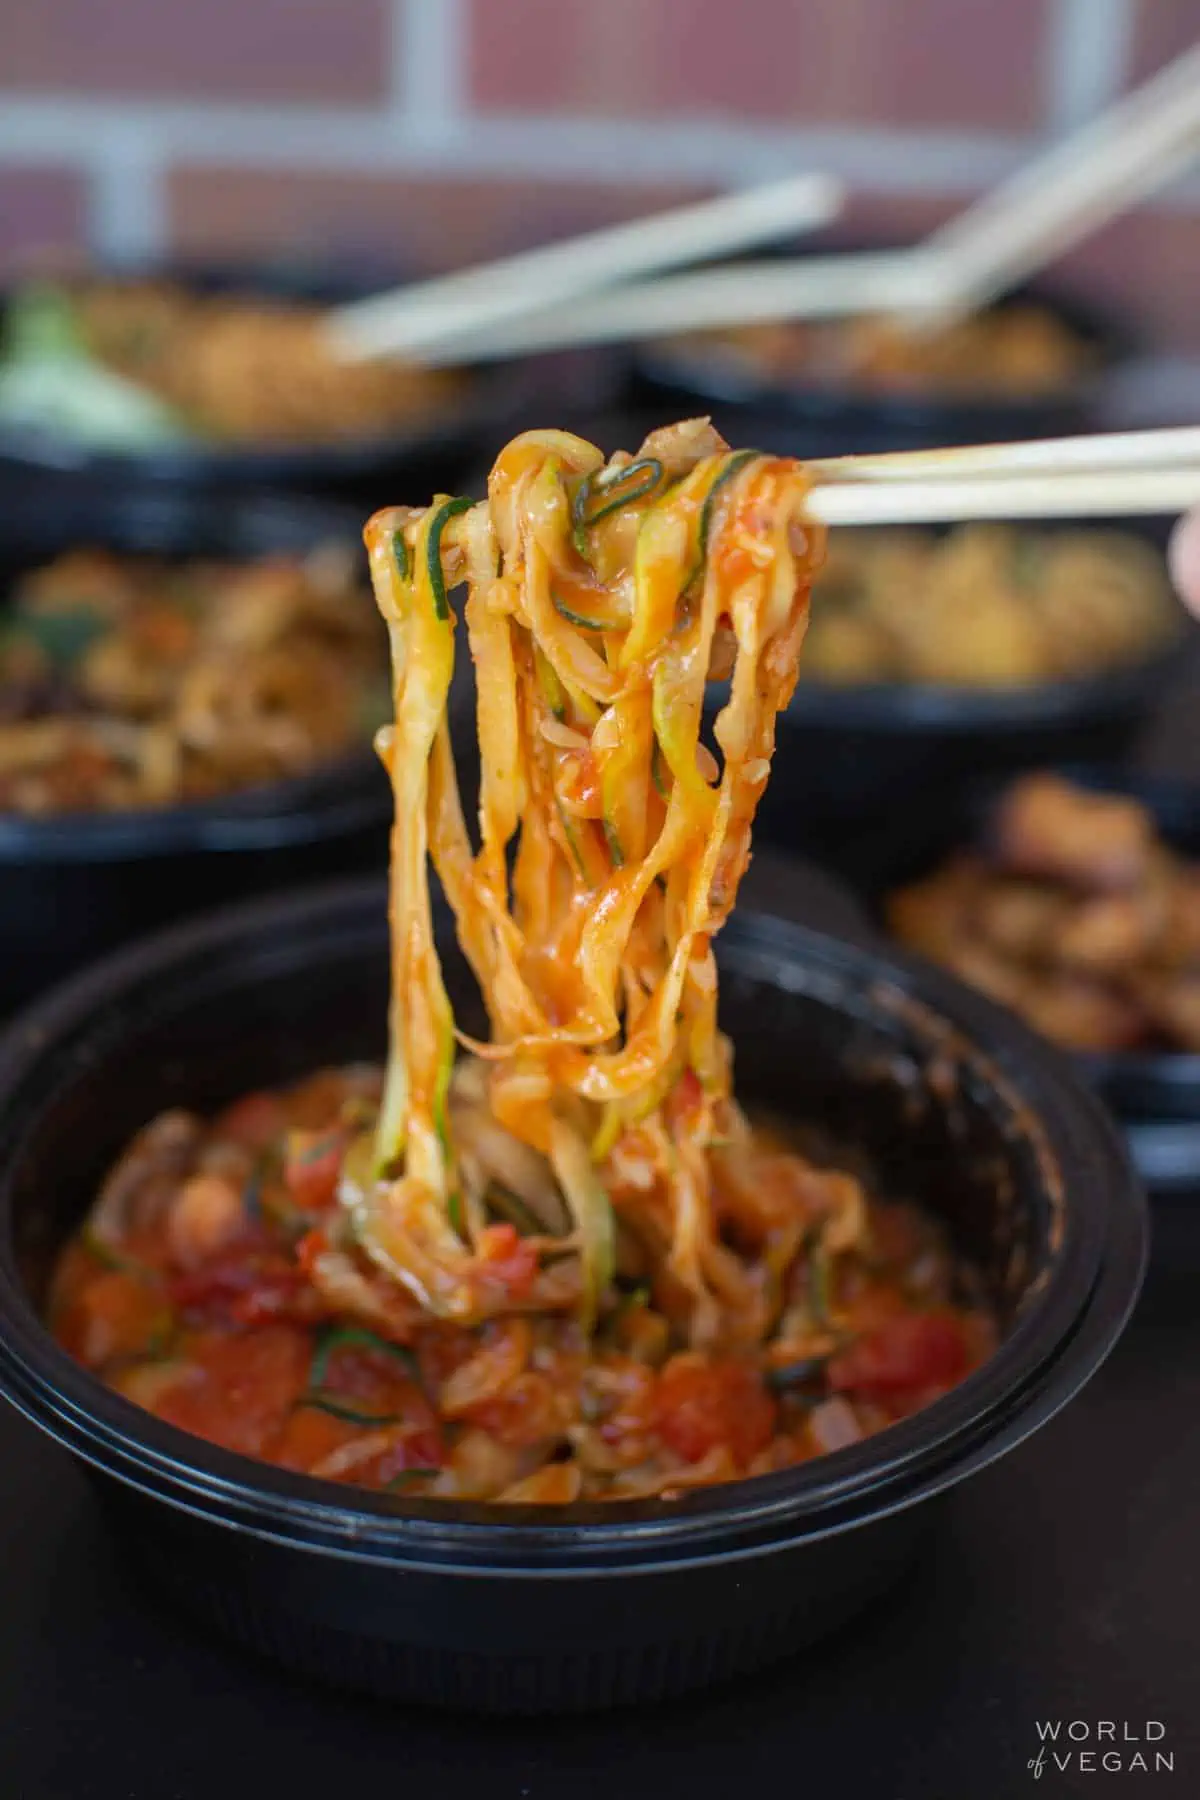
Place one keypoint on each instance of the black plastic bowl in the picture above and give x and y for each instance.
(546, 1609)
(801, 417)
(854, 760)
(849, 759)
(1155, 1093)
(409, 461)
(72, 887)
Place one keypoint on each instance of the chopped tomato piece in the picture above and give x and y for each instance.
(242, 1289)
(686, 1098)
(507, 1260)
(914, 1350)
(255, 1121)
(113, 1315)
(245, 1385)
(421, 1449)
(529, 1411)
(311, 1167)
(440, 1350)
(313, 1244)
(701, 1403)
(381, 1381)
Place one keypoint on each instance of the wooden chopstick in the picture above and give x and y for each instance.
(1072, 494)
(1112, 452)
(1044, 208)
(1109, 165)
(810, 287)
(435, 316)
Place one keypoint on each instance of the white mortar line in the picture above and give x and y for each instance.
(127, 211)
(715, 152)
(597, 150)
(1086, 58)
(429, 39)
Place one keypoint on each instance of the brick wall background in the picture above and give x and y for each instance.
(431, 131)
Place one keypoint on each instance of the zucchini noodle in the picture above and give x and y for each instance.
(601, 600)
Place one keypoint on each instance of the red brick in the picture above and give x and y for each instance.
(1144, 266)
(1163, 30)
(274, 50)
(42, 217)
(920, 62)
(423, 225)
(895, 218)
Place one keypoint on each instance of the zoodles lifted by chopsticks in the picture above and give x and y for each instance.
(565, 1266)
(601, 598)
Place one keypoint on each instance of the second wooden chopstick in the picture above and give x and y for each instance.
(443, 315)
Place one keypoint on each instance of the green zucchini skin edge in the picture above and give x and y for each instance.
(433, 554)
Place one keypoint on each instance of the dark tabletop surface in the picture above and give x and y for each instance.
(1063, 1585)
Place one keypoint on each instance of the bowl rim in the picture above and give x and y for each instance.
(1059, 1338)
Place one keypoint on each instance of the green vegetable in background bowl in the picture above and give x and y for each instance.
(50, 384)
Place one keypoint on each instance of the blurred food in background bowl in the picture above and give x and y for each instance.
(1025, 368)
(986, 606)
(1072, 910)
(133, 681)
(1017, 351)
(221, 377)
(1030, 365)
(222, 368)
(935, 663)
(188, 689)
(1074, 899)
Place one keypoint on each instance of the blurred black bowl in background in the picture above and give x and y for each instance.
(802, 417)
(74, 886)
(407, 463)
(1155, 1093)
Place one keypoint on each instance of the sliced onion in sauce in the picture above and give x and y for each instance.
(834, 1425)
(563, 737)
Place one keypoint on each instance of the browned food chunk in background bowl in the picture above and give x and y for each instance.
(1079, 916)
(1046, 826)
